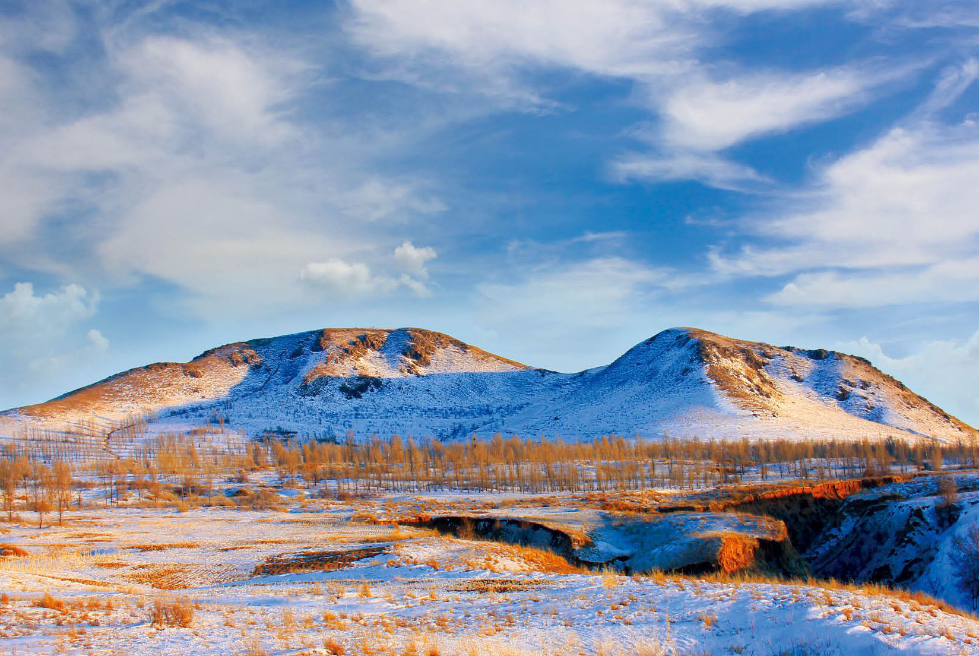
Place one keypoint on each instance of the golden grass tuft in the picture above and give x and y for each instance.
(172, 612)
(12, 550)
(50, 602)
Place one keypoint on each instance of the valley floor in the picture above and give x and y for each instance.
(319, 579)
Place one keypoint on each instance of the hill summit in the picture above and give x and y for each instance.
(408, 381)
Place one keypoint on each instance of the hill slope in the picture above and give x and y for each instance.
(409, 381)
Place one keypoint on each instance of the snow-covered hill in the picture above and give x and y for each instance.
(408, 381)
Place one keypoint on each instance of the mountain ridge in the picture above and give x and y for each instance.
(682, 381)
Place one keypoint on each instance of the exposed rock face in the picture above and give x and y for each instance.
(682, 382)
(900, 535)
(509, 530)
(692, 543)
(805, 509)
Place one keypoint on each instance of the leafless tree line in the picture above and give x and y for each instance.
(191, 464)
(519, 464)
(43, 487)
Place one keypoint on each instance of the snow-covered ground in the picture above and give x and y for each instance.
(414, 592)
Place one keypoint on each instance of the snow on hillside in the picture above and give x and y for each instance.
(408, 381)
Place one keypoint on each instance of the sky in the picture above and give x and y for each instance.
(550, 180)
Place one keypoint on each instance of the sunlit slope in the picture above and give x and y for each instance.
(683, 381)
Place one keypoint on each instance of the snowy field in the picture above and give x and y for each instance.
(316, 578)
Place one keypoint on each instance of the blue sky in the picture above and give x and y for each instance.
(552, 180)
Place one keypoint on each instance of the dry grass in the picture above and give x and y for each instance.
(707, 620)
(254, 647)
(55, 560)
(172, 612)
(487, 586)
(164, 546)
(611, 579)
(50, 602)
(12, 550)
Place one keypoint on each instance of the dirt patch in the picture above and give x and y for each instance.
(316, 561)
(738, 368)
(486, 586)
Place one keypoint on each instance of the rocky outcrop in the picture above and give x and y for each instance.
(899, 535)
(693, 543)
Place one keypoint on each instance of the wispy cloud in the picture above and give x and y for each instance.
(496, 49)
(892, 222)
(42, 333)
(197, 167)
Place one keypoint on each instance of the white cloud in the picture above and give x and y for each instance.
(622, 38)
(97, 341)
(956, 281)
(40, 336)
(40, 26)
(701, 119)
(907, 200)
(944, 369)
(893, 222)
(346, 278)
(493, 48)
(419, 288)
(613, 37)
(911, 194)
(709, 168)
(376, 199)
(26, 316)
(217, 82)
(192, 169)
(412, 259)
(953, 82)
(216, 239)
(355, 279)
(713, 115)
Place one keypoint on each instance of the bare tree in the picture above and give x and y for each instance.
(965, 559)
(41, 480)
(8, 485)
(948, 490)
(62, 487)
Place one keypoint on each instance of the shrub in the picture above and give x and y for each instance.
(948, 491)
(51, 602)
(172, 612)
(707, 620)
(255, 648)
